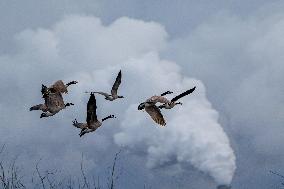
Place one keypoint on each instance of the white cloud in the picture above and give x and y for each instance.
(240, 60)
(82, 48)
(192, 135)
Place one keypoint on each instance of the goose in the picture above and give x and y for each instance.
(150, 107)
(113, 96)
(53, 104)
(53, 99)
(173, 102)
(92, 122)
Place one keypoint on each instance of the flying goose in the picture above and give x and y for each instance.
(92, 121)
(173, 102)
(150, 107)
(114, 89)
(53, 104)
(53, 99)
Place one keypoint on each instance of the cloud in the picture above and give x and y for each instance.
(82, 48)
(247, 56)
(241, 62)
(192, 135)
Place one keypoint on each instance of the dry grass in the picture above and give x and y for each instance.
(11, 177)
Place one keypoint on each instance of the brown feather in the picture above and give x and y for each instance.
(156, 114)
(59, 86)
(155, 99)
(54, 102)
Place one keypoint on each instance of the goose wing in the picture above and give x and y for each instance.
(58, 86)
(92, 110)
(102, 93)
(183, 94)
(156, 114)
(116, 84)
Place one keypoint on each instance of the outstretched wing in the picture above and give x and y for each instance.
(116, 84)
(102, 93)
(183, 94)
(59, 86)
(91, 110)
(156, 114)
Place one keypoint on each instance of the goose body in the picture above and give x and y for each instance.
(155, 99)
(54, 103)
(92, 122)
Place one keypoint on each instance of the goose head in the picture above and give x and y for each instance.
(43, 115)
(141, 106)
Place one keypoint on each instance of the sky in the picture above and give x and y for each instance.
(228, 132)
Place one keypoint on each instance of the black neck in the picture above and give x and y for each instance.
(162, 106)
(165, 93)
(108, 117)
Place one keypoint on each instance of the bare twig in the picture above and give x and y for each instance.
(278, 174)
(2, 148)
(11, 178)
(86, 184)
(113, 170)
(39, 175)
